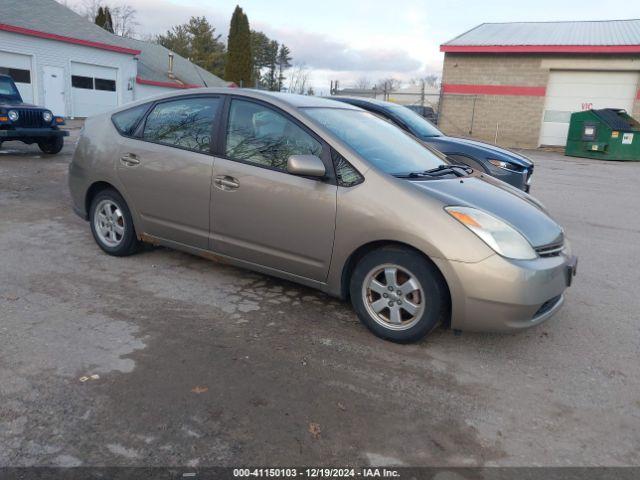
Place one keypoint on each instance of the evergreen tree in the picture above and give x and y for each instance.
(100, 19)
(265, 54)
(206, 49)
(197, 41)
(103, 19)
(239, 64)
(108, 20)
(177, 40)
(283, 62)
(259, 42)
(272, 58)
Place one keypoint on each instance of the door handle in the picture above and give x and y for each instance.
(226, 183)
(129, 160)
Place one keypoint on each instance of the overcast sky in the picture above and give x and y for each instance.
(348, 39)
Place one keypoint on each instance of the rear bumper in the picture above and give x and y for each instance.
(27, 133)
(500, 295)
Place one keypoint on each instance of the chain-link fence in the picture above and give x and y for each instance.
(418, 95)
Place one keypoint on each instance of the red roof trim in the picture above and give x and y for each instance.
(540, 48)
(494, 90)
(154, 83)
(60, 38)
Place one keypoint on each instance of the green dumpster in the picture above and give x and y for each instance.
(606, 134)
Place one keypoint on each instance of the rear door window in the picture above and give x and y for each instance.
(184, 123)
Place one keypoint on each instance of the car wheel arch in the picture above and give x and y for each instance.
(469, 159)
(93, 190)
(362, 250)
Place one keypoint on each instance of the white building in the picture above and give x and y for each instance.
(64, 62)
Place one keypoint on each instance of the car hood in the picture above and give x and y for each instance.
(8, 105)
(476, 148)
(521, 211)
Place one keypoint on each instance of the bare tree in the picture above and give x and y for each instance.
(299, 79)
(89, 8)
(124, 20)
(431, 80)
(363, 83)
(124, 15)
(388, 84)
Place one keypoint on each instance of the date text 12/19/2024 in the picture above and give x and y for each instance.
(315, 473)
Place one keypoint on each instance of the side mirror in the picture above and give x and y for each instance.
(306, 166)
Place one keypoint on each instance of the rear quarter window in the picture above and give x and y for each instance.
(127, 120)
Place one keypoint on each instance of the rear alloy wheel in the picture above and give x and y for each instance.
(398, 294)
(112, 225)
(51, 146)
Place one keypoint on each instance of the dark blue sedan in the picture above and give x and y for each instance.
(506, 165)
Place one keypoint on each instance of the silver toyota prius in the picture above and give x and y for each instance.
(327, 195)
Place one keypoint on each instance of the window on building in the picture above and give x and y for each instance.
(260, 135)
(18, 75)
(185, 123)
(78, 81)
(106, 85)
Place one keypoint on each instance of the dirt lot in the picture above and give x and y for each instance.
(204, 364)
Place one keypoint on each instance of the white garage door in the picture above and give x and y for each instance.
(569, 92)
(18, 67)
(93, 89)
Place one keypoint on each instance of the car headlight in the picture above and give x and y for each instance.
(13, 115)
(500, 236)
(47, 116)
(505, 165)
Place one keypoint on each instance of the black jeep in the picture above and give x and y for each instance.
(28, 123)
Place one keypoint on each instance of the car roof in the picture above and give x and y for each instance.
(277, 98)
(365, 101)
(296, 100)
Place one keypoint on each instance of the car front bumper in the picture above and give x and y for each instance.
(28, 133)
(498, 294)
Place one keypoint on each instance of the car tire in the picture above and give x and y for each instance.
(51, 146)
(112, 225)
(398, 294)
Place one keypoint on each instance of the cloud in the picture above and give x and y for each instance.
(318, 51)
(401, 56)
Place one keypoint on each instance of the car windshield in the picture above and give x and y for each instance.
(8, 90)
(379, 142)
(419, 126)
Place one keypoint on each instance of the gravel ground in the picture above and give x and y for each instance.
(199, 363)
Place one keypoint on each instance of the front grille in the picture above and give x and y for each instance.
(548, 305)
(29, 118)
(552, 250)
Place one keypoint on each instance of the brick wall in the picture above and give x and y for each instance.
(515, 118)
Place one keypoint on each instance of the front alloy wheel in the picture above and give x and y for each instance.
(398, 294)
(393, 297)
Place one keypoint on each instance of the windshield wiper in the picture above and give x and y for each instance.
(457, 170)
